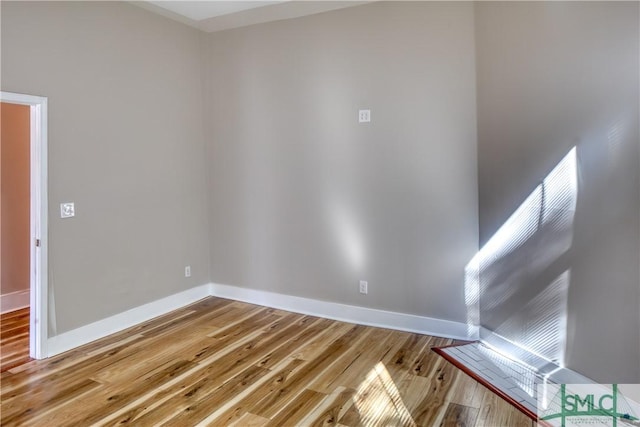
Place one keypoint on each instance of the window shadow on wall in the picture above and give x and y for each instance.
(516, 286)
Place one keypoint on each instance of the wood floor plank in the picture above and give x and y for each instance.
(432, 408)
(351, 417)
(14, 313)
(39, 405)
(351, 368)
(413, 389)
(274, 402)
(14, 339)
(330, 409)
(248, 403)
(319, 344)
(111, 399)
(459, 416)
(409, 354)
(14, 330)
(295, 411)
(207, 399)
(160, 404)
(222, 362)
(465, 393)
(314, 331)
(185, 343)
(250, 420)
(216, 318)
(214, 374)
(45, 367)
(22, 382)
(493, 412)
(372, 358)
(15, 324)
(379, 401)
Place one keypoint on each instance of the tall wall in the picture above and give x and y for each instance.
(15, 148)
(305, 200)
(552, 76)
(125, 144)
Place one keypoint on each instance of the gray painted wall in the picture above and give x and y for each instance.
(553, 75)
(305, 200)
(125, 144)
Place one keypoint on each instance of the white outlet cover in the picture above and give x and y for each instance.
(67, 210)
(364, 287)
(364, 116)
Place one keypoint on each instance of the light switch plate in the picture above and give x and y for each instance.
(67, 210)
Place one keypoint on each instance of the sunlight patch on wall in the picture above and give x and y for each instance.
(348, 236)
(472, 296)
(539, 327)
(616, 135)
(516, 286)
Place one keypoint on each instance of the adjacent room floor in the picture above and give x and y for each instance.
(221, 362)
(14, 339)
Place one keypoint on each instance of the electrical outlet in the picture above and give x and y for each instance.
(363, 287)
(364, 116)
(187, 271)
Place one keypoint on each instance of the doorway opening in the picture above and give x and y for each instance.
(35, 245)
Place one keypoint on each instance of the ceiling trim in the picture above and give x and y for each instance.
(258, 15)
(273, 12)
(166, 13)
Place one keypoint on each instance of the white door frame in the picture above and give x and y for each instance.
(38, 272)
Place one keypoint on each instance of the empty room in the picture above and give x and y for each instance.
(306, 213)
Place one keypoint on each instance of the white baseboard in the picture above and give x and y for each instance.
(116, 323)
(14, 301)
(330, 310)
(346, 313)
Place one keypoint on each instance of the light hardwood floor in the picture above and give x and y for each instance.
(220, 362)
(14, 338)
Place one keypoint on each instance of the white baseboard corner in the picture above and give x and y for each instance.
(330, 310)
(14, 301)
(116, 323)
(346, 313)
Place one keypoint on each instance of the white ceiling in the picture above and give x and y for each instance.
(218, 15)
(201, 10)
